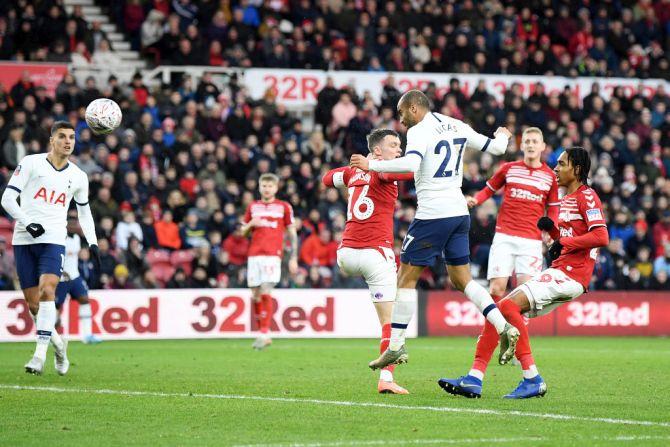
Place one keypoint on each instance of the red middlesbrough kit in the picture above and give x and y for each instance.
(528, 191)
(268, 238)
(580, 212)
(372, 197)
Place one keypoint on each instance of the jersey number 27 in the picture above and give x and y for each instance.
(442, 170)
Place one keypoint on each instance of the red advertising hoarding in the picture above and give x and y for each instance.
(595, 313)
(47, 75)
(205, 313)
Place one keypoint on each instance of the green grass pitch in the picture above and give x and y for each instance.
(602, 392)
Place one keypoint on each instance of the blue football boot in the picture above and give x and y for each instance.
(467, 386)
(534, 387)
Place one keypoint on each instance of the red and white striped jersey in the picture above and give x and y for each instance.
(579, 213)
(268, 238)
(528, 191)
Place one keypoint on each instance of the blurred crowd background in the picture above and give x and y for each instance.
(169, 187)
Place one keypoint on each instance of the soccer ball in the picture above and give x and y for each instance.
(103, 116)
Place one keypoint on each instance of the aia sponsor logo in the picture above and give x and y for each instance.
(51, 197)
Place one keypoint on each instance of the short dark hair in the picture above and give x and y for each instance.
(60, 125)
(416, 97)
(376, 136)
(581, 162)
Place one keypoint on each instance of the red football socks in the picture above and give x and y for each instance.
(266, 313)
(486, 344)
(384, 343)
(512, 313)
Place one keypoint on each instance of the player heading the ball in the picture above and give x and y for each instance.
(434, 153)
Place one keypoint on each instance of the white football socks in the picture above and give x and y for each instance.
(386, 375)
(46, 318)
(482, 299)
(403, 311)
(85, 315)
(530, 372)
(476, 373)
(56, 339)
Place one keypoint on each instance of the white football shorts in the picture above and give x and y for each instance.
(263, 270)
(376, 266)
(549, 289)
(514, 254)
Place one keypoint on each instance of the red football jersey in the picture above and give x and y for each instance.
(528, 191)
(579, 213)
(268, 238)
(372, 197)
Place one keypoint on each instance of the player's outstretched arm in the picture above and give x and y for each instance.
(335, 177)
(408, 163)
(495, 146)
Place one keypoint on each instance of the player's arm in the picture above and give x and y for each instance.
(492, 185)
(9, 200)
(597, 237)
(293, 239)
(496, 146)
(337, 177)
(389, 177)
(11, 205)
(591, 210)
(553, 202)
(86, 220)
(410, 162)
(247, 222)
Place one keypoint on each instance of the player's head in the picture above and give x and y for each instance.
(384, 144)
(62, 138)
(573, 166)
(268, 184)
(532, 144)
(412, 107)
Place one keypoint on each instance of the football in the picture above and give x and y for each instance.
(103, 116)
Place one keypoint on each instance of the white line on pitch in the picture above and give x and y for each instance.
(401, 442)
(562, 417)
(449, 441)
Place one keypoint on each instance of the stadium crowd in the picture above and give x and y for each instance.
(168, 188)
(567, 38)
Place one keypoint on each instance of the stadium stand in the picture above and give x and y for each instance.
(168, 188)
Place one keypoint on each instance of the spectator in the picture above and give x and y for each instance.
(236, 245)
(121, 278)
(319, 250)
(167, 232)
(126, 228)
(178, 280)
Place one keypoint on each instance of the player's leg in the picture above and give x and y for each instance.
(269, 276)
(513, 307)
(79, 291)
(254, 284)
(500, 264)
(404, 309)
(62, 290)
(378, 268)
(457, 256)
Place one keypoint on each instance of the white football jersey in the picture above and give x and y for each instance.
(45, 193)
(440, 141)
(71, 264)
